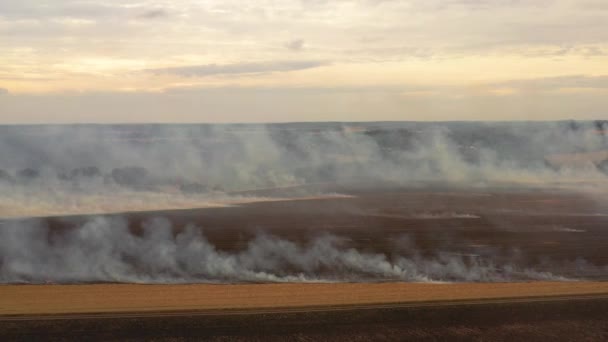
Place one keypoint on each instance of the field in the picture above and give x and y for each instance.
(557, 231)
(297, 312)
(21, 301)
(559, 234)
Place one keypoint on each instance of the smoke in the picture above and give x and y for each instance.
(46, 170)
(61, 170)
(104, 250)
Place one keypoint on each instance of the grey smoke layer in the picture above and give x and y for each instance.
(206, 158)
(93, 169)
(104, 250)
(54, 170)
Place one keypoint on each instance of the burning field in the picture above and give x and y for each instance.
(415, 235)
(368, 215)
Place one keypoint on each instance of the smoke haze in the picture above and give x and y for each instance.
(104, 250)
(92, 169)
(52, 170)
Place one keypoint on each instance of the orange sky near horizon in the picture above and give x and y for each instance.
(302, 60)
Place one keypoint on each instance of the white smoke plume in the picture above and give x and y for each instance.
(47, 170)
(105, 250)
(64, 170)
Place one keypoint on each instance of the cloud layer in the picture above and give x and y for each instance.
(473, 52)
(239, 68)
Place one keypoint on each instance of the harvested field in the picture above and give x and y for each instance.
(388, 232)
(438, 234)
(561, 318)
(449, 220)
(115, 298)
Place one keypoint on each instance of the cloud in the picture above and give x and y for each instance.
(393, 52)
(66, 8)
(295, 45)
(287, 104)
(238, 68)
(3, 91)
(561, 82)
(154, 14)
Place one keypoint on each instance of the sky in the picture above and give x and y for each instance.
(81, 61)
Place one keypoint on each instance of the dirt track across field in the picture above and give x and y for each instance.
(115, 298)
(558, 316)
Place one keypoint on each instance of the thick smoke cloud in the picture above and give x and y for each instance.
(59, 170)
(83, 168)
(104, 250)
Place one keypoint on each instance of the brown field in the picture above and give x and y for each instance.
(546, 229)
(542, 227)
(114, 298)
(307, 312)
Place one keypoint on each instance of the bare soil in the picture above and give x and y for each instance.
(104, 298)
(569, 320)
(538, 227)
